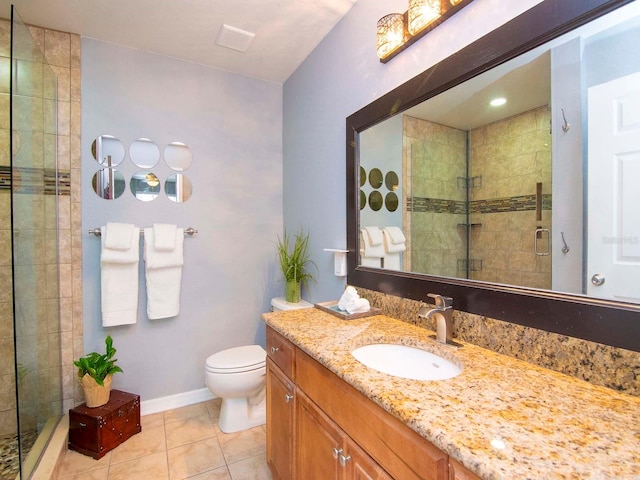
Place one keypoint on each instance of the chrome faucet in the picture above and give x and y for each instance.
(442, 311)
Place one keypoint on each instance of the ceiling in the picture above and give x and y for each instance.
(286, 31)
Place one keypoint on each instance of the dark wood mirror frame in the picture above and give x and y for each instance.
(603, 321)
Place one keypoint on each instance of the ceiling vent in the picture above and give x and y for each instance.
(234, 38)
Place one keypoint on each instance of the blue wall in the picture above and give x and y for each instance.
(341, 76)
(233, 126)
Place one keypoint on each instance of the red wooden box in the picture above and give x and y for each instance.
(97, 431)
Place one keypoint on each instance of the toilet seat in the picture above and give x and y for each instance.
(237, 360)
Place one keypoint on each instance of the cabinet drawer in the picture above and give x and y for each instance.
(281, 351)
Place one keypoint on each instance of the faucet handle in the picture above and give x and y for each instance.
(441, 301)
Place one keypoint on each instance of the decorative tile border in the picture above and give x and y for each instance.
(520, 203)
(36, 180)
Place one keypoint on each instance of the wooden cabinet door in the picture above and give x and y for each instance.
(280, 423)
(361, 466)
(320, 443)
(458, 472)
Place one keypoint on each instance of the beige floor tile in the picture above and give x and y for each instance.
(195, 458)
(99, 474)
(189, 430)
(254, 468)
(218, 474)
(152, 466)
(153, 420)
(213, 406)
(241, 445)
(74, 463)
(185, 412)
(148, 441)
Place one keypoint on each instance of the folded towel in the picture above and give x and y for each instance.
(119, 280)
(164, 236)
(374, 236)
(352, 303)
(163, 271)
(389, 245)
(368, 250)
(395, 234)
(118, 236)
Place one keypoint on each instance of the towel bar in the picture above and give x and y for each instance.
(187, 231)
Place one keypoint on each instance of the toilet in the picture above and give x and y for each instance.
(238, 376)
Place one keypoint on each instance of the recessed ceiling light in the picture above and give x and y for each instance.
(498, 102)
(234, 38)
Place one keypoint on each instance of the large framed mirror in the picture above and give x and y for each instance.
(505, 208)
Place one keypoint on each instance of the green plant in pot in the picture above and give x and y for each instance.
(95, 371)
(294, 263)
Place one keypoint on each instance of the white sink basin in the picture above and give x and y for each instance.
(406, 362)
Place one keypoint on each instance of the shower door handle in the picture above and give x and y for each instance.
(538, 234)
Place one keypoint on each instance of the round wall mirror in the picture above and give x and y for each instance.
(108, 183)
(363, 176)
(144, 153)
(375, 178)
(391, 181)
(145, 186)
(107, 150)
(178, 156)
(363, 200)
(178, 187)
(391, 201)
(375, 201)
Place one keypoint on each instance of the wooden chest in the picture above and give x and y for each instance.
(96, 431)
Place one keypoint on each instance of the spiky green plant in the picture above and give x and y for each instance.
(294, 262)
(97, 365)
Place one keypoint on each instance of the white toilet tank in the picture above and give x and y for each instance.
(279, 303)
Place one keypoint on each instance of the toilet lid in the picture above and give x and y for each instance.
(248, 357)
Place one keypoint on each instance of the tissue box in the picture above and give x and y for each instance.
(332, 308)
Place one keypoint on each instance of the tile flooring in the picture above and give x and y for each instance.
(177, 444)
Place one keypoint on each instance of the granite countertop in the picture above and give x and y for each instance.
(550, 425)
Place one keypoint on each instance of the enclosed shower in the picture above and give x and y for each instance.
(30, 186)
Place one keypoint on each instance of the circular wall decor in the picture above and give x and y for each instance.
(375, 201)
(107, 150)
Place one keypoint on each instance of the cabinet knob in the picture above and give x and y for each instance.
(288, 397)
(337, 452)
(274, 349)
(344, 460)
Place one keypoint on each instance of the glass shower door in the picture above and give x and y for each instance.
(36, 312)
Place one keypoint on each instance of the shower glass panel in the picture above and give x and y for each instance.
(32, 139)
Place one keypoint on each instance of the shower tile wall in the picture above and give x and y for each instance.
(60, 341)
(511, 156)
(434, 157)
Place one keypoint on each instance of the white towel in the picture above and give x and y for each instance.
(118, 236)
(352, 303)
(395, 235)
(163, 270)
(119, 278)
(374, 235)
(371, 255)
(389, 245)
(164, 236)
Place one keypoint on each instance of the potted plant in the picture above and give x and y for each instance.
(95, 371)
(294, 264)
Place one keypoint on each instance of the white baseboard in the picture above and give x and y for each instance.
(178, 400)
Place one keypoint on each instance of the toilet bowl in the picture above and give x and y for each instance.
(237, 375)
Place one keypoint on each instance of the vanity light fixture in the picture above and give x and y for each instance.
(396, 31)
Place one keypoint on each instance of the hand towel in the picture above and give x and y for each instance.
(389, 245)
(164, 236)
(117, 236)
(371, 255)
(374, 235)
(119, 277)
(352, 303)
(395, 234)
(163, 272)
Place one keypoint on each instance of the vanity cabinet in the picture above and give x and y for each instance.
(320, 427)
(458, 472)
